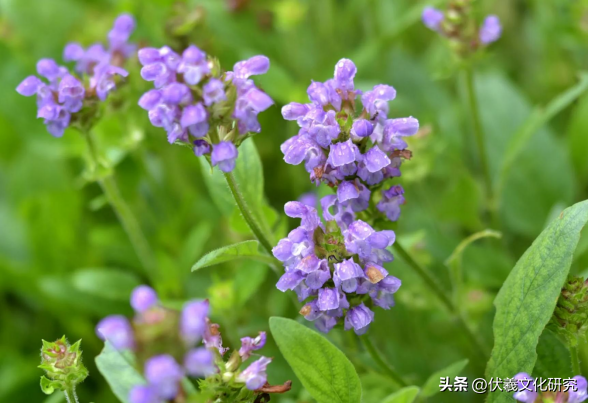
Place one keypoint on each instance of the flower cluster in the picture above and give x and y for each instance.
(166, 364)
(337, 272)
(454, 25)
(199, 105)
(574, 392)
(62, 97)
(338, 265)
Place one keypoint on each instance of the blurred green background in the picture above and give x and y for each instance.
(65, 261)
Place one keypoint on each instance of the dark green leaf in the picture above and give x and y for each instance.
(432, 385)
(244, 249)
(527, 299)
(117, 369)
(322, 368)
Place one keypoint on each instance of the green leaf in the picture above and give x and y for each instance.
(554, 359)
(106, 283)
(405, 395)
(117, 369)
(432, 385)
(527, 299)
(244, 249)
(48, 386)
(322, 368)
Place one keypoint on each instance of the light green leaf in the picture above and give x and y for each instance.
(106, 283)
(323, 369)
(244, 249)
(405, 395)
(527, 299)
(117, 369)
(432, 385)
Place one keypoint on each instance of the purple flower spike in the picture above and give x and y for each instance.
(491, 30)
(580, 395)
(358, 318)
(249, 344)
(143, 298)
(164, 375)
(526, 385)
(214, 91)
(328, 299)
(224, 155)
(254, 376)
(193, 321)
(432, 18)
(143, 394)
(116, 330)
(29, 86)
(199, 362)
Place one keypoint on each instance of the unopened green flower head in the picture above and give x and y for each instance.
(62, 364)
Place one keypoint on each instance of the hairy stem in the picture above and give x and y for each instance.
(441, 294)
(377, 357)
(479, 136)
(576, 366)
(124, 213)
(70, 395)
(247, 213)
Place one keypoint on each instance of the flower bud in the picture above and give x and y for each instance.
(63, 365)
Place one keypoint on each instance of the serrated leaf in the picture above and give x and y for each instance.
(118, 370)
(324, 370)
(432, 385)
(244, 249)
(527, 299)
(404, 395)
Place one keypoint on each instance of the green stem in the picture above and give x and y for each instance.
(247, 213)
(70, 395)
(125, 215)
(434, 285)
(479, 136)
(575, 360)
(377, 357)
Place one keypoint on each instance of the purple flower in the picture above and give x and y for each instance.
(144, 394)
(29, 86)
(103, 80)
(346, 275)
(201, 147)
(490, 30)
(370, 246)
(159, 65)
(116, 330)
(195, 119)
(358, 318)
(213, 91)
(294, 111)
(199, 362)
(194, 65)
(150, 99)
(193, 321)
(527, 388)
(163, 374)
(254, 376)
(255, 65)
(362, 128)
(71, 93)
(343, 153)
(118, 36)
(579, 394)
(432, 18)
(224, 155)
(308, 215)
(345, 70)
(391, 202)
(249, 344)
(143, 298)
(376, 100)
(328, 299)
